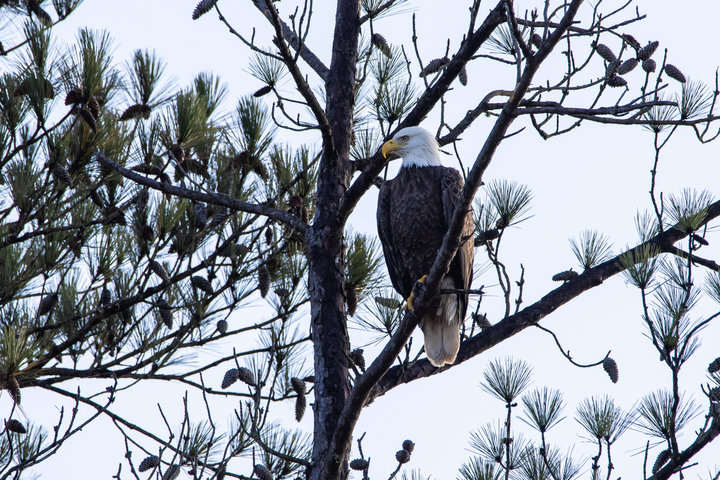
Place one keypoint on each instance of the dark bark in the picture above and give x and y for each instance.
(325, 250)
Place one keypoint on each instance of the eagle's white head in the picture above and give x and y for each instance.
(416, 146)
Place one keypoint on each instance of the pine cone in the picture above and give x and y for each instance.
(610, 366)
(202, 8)
(47, 304)
(149, 462)
(357, 358)
(61, 174)
(219, 217)
(616, 81)
(381, 44)
(200, 211)
(714, 365)
(74, 96)
(139, 110)
(89, 118)
(700, 240)
(159, 270)
(298, 385)
(165, 312)
(630, 40)
(605, 52)
(113, 215)
(11, 384)
(351, 298)
(661, 459)
(262, 472)
(402, 456)
(434, 66)
(462, 76)
(282, 292)
(105, 297)
(231, 376)
(565, 276)
(408, 445)
(536, 40)
(246, 376)
(481, 320)
(300, 405)
(263, 91)
(201, 283)
(359, 464)
(673, 72)
(263, 280)
(14, 426)
(627, 66)
(141, 199)
(222, 326)
(714, 394)
(649, 65)
(94, 107)
(177, 152)
(646, 52)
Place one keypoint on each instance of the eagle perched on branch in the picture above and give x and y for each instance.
(414, 212)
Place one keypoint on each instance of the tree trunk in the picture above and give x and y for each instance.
(326, 250)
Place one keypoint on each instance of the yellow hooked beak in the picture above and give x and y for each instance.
(389, 147)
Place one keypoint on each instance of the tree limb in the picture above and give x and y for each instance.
(310, 58)
(213, 198)
(532, 314)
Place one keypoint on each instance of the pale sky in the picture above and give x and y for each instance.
(596, 177)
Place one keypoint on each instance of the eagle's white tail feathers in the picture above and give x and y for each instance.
(442, 329)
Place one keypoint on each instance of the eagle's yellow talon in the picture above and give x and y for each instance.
(411, 298)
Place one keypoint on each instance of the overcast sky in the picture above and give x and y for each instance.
(596, 177)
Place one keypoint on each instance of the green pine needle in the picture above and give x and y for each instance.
(687, 210)
(254, 130)
(393, 99)
(145, 73)
(506, 379)
(510, 202)
(268, 70)
(654, 414)
(695, 100)
(712, 286)
(640, 264)
(475, 468)
(543, 408)
(602, 419)
(591, 249)
(363, 261)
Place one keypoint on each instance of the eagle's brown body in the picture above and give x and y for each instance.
(414, 211)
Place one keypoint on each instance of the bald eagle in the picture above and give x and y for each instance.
(413, 214)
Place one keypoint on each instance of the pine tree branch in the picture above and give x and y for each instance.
(212, 198)
(675, 464)
(300, 81)
(709, 264)
(310, 58)
(532, 314)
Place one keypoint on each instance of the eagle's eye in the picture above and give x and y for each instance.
(404, 138)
